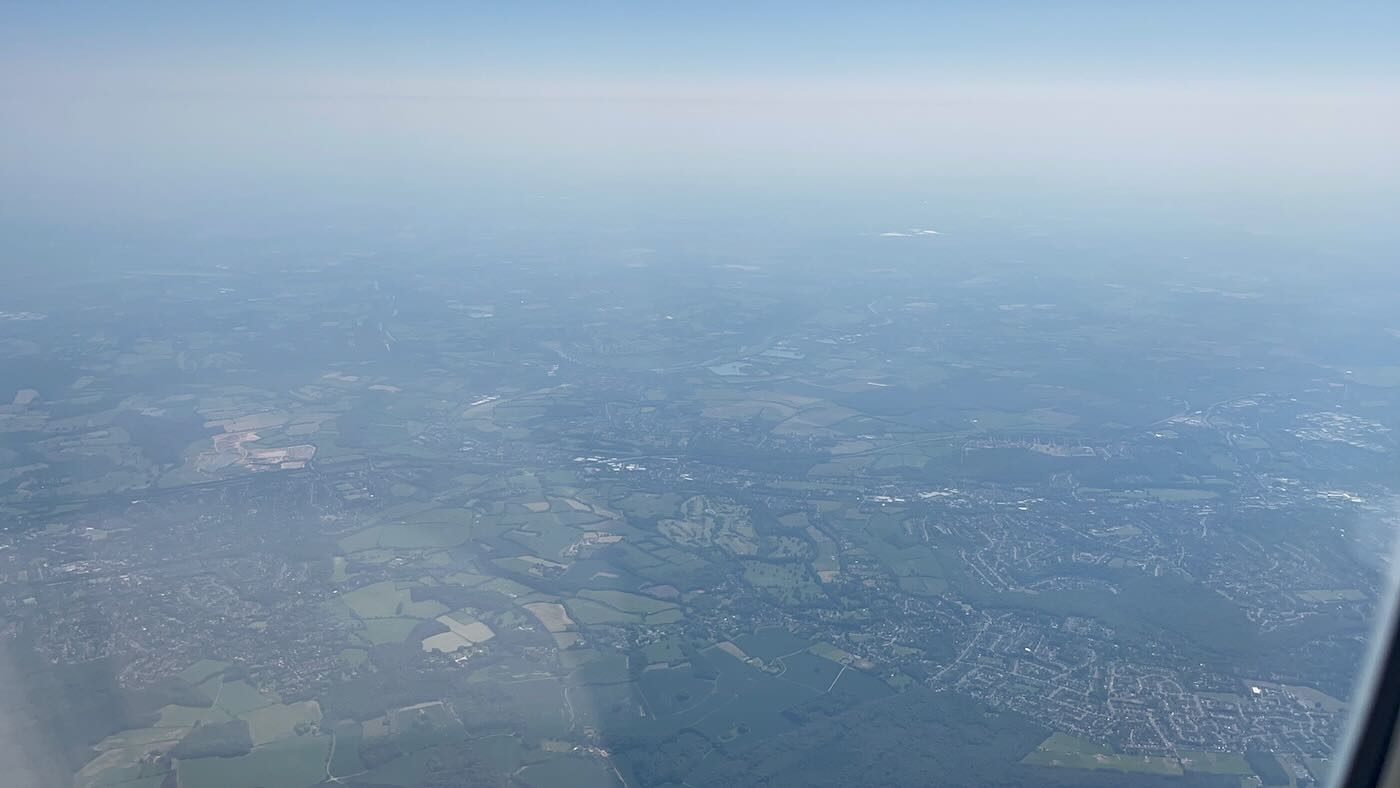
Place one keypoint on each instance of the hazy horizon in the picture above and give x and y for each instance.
(154, 109)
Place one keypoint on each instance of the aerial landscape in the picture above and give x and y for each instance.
(650, 517)
(697, 395)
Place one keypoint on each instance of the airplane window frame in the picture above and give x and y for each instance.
(1369, 748)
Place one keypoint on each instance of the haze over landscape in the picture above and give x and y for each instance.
(609, 394)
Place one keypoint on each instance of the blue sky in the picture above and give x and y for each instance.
(334, 46)
(120, 106)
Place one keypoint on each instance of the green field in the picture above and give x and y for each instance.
(425, 609)
(668, 616)
(187, 716)
(1214, 762)
(606, 669)
(290, 763)
(506, 587)
(211, 686)
(618, 607)
(673, 690)
(606, 706)
(827, 558)
(238, 697)
(861, 685)
(345, 759)
(1074, 753)
(502, 753)
(923, 586)
(279, 720)
(406, 771)
(627, 603)
(202, 670)
(388, 630)
(380, 600)
(1316, 698)
(568, 771)
(407, 536)
(647, 506)
(541, 534)
(446, 527)
(770, 643)
(810, 670)
(431, 714)
(140, 776)
(123, 766)
(587, 612)
(668, 650)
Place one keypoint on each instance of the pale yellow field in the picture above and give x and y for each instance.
(552, 615)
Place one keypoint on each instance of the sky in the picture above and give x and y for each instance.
(594, 47)
(112, 106)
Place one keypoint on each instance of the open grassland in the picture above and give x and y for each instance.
(551, 615)
(280, 720)
(388, 630)
(289, 763)
(240, 697)
(569, 771)
(1214, 762)
(1071, 752)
